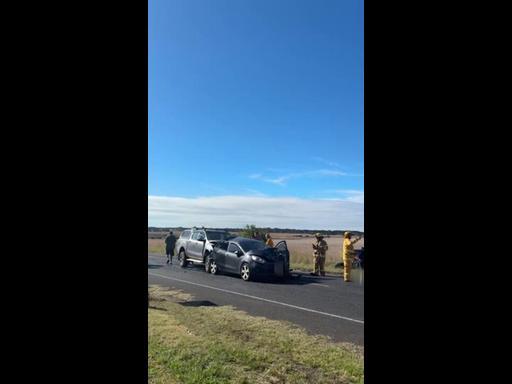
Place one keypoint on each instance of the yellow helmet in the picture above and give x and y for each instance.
(347, 234)
(319, 235)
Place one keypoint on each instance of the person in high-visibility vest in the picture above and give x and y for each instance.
(348, 254)
(269, 241)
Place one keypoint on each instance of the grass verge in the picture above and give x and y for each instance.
(156, 246)
(328, 267)
(210, 345)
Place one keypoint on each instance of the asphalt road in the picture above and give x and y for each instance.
(322, 305)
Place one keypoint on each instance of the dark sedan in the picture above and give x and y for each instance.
(249, 258)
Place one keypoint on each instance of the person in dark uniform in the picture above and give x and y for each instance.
(170, 242)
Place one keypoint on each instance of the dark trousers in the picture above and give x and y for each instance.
(170, 253)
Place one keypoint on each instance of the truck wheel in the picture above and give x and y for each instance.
(210, 266)
(182, 258)
(207, 264)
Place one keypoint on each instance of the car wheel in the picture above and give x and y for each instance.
(245, 272)
(213, 266)
(182, 257)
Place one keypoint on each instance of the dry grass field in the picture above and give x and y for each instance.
(301, 251)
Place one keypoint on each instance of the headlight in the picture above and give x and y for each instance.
(257, 259)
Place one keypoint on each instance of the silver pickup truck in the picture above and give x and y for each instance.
(195, 244)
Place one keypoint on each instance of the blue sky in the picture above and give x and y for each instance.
(255, 99)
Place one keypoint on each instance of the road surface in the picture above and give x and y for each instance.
(322, 305)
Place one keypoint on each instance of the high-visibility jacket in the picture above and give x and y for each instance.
(348, 249)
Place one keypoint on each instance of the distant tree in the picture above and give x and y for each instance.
(252, 232)
(248, 231)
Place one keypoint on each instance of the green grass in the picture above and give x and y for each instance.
(214, 345)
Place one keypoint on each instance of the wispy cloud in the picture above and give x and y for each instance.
(254, 192)
(281, 180)
(237, 211)
(353, 195)
(278, 181)
(326, 162)
(335, 165)
(328, 172)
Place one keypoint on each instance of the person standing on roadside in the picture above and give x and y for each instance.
(269, 241)
(170, 242)
(348, 254)
(319, 250)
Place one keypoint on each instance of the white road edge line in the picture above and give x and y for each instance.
(258, 298)
(321, 285)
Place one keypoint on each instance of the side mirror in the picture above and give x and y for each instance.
(237, 253)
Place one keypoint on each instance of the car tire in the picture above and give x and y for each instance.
(214, 269)
(245, 272)
(182, 258)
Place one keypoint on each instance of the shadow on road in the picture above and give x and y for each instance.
(295, 279)
(198, 303)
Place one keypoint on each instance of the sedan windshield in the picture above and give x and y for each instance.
(252, 245)
(214, 235)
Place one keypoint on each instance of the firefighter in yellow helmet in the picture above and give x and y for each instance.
(348, 254)
(269, 241)
(319, 250)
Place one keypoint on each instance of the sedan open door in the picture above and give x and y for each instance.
(282, 250)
